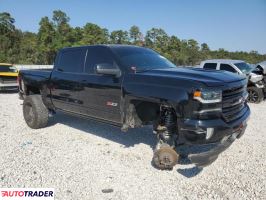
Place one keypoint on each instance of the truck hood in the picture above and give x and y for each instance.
(207, 77)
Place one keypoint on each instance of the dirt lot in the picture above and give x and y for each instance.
(80, 158)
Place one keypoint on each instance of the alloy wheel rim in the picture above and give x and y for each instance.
(252, 96)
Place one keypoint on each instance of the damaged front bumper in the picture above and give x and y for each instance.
(203, 148)
(206, 158)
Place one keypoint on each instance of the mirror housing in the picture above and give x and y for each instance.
(107, 69)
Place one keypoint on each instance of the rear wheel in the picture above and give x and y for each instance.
(255, 95)
(34, 111)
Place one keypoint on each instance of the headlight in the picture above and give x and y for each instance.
(208, 96)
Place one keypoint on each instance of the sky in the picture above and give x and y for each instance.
(235, 25)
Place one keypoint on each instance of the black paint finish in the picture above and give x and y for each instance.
(107, 97)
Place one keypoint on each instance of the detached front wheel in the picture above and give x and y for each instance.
(255, 95)
(34, 111)
(165, 158)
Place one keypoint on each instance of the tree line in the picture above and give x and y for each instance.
(25, 47)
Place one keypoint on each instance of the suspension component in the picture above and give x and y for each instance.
(166, 129)
(165, 157)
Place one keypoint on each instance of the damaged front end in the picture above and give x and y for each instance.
(212, 129)
(204, 159)
(256, 79)
(261, 70)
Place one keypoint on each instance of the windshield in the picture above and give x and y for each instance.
(244, 67)
(142, 59)
(4, 68)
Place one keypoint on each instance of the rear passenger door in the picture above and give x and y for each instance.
(101, 94)
(65, 79)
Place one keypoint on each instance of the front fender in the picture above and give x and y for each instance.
(160, 94)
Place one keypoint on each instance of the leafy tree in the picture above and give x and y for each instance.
(28, 48)
(173, 49)
(156, 37)
(9, 38)
(40, 48)
(6, 23)
(46, 37)
(193, 52)
(64, 34)
(205, 47)
(93, 34)
(77, 35)
(135, 35)
(119, 37)
(60, 18)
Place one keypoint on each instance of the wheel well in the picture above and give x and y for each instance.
(141, 113)
(147, 111)
(32, 90)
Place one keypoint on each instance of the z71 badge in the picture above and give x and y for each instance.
(109, 103)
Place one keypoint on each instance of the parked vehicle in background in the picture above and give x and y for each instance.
(130, 86)
(260, 69)
(8, 77)
(255, 87)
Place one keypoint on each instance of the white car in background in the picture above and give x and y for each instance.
(256, 86)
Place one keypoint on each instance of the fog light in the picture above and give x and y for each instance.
(209, 133)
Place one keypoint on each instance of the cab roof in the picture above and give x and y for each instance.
(227, 61)
(105, 45)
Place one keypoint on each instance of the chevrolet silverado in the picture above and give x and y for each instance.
(130, 86)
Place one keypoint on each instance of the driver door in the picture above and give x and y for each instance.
(100, 93)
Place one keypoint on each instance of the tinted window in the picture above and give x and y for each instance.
(72, 60)
(97, 55)
(7, 69)
(210, 66)
(227, 68)
(141, 58)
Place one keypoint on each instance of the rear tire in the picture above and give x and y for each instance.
(34, 111)
(255, 95)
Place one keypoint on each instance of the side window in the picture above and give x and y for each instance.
(209, 66)
(227, 67)
(72, 60)
(97, 55)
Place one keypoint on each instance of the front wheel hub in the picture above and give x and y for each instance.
(165, 158)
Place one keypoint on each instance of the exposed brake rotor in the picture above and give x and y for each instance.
(165, 157)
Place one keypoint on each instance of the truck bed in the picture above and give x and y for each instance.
(37, 78)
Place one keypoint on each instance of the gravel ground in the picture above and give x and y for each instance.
(84, 159)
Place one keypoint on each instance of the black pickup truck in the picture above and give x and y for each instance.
(130, 86)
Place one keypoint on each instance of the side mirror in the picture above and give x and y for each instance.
(108, 69)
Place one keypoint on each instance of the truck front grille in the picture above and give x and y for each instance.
(234, 103)
(8, 79)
